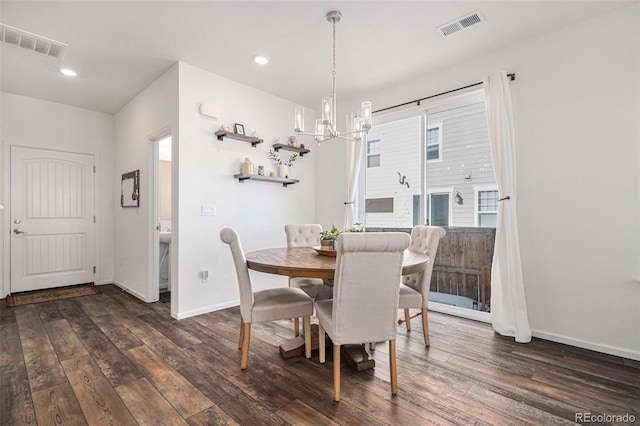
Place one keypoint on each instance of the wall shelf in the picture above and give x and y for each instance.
(301, 151)
(221, 134)
(284, 181)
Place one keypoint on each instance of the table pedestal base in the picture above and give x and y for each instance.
(356, 356)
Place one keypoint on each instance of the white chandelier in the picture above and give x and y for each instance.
(326, 127)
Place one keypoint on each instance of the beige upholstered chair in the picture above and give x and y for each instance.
(266, 305)
(414, 290)
(306, 235)
(364, 307)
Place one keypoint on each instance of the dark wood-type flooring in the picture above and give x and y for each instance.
(111, 359)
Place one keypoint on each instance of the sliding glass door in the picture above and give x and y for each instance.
(432, 165)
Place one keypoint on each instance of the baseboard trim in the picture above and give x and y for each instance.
(597, 347)
(552, 337)
(205, 310)
(130, 291)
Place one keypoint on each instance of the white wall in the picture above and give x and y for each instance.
(258, 210)
(576, 99)
(37, 123)
(154, 109)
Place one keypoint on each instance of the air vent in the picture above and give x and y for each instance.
(460, 23)
(29, 41)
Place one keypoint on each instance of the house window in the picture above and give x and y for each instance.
(379, 205)
(487, 208)
(434, 143)
(373, 153)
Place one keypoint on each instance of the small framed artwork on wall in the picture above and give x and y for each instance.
(239, 129)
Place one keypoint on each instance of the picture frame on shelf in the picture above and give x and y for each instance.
(293, 141)
(238, 128)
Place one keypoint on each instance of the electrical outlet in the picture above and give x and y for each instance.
(204, 276)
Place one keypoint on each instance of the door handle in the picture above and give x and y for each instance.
(19, 231)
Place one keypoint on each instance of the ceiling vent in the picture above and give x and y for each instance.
(460, 23)
(29, 41)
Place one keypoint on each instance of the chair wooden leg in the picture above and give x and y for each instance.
(407, 319)
(336, 373)
(425, 326)
(321, 346)
(393, 371)
(241, 334)
(246, 334)
(296, 327)
(307, 336)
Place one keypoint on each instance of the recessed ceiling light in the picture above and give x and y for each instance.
(68, 71)
(260, 60)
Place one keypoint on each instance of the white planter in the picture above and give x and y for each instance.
(283, 171)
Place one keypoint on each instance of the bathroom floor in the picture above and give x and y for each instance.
(165, 296)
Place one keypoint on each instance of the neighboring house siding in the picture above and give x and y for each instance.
(465, 151)
(399, 153)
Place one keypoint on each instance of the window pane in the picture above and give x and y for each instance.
(488, 220)
(373, 161)
(433, 152)
(487, 201)
(379, 205)
(440, 209)
(433, 143)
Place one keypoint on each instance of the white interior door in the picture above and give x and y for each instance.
(52, 219)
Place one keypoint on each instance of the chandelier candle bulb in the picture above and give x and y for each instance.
(357, 124)
(366, 115)
(326, 110)
(299, 121)
(319, 129)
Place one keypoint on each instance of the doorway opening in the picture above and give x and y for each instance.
(164, 217)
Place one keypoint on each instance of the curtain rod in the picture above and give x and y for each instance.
(511, 76)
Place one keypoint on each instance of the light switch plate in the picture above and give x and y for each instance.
(208, 210)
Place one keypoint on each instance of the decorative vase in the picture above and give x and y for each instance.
(283, 171)
(247, 167)
(328, 244)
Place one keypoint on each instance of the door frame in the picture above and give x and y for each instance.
(153, 285)
(5, 226)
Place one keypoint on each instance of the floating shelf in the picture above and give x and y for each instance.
(283, 181)
(221, 134)
(301, 151)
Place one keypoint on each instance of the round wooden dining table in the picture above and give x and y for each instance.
(308, 262)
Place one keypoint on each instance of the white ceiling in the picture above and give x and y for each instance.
(119, 48)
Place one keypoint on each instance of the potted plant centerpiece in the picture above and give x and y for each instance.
(328, 238)
(284, 167)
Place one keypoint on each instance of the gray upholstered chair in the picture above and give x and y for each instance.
(364, 307)
(266, 305)
(414, 290)
(306, 235)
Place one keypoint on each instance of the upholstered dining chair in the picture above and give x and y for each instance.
(414, 289)
(306, 235)
(364, 307)
(266, 305)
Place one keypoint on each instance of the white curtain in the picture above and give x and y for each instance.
(353, 172)
(508, 303)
